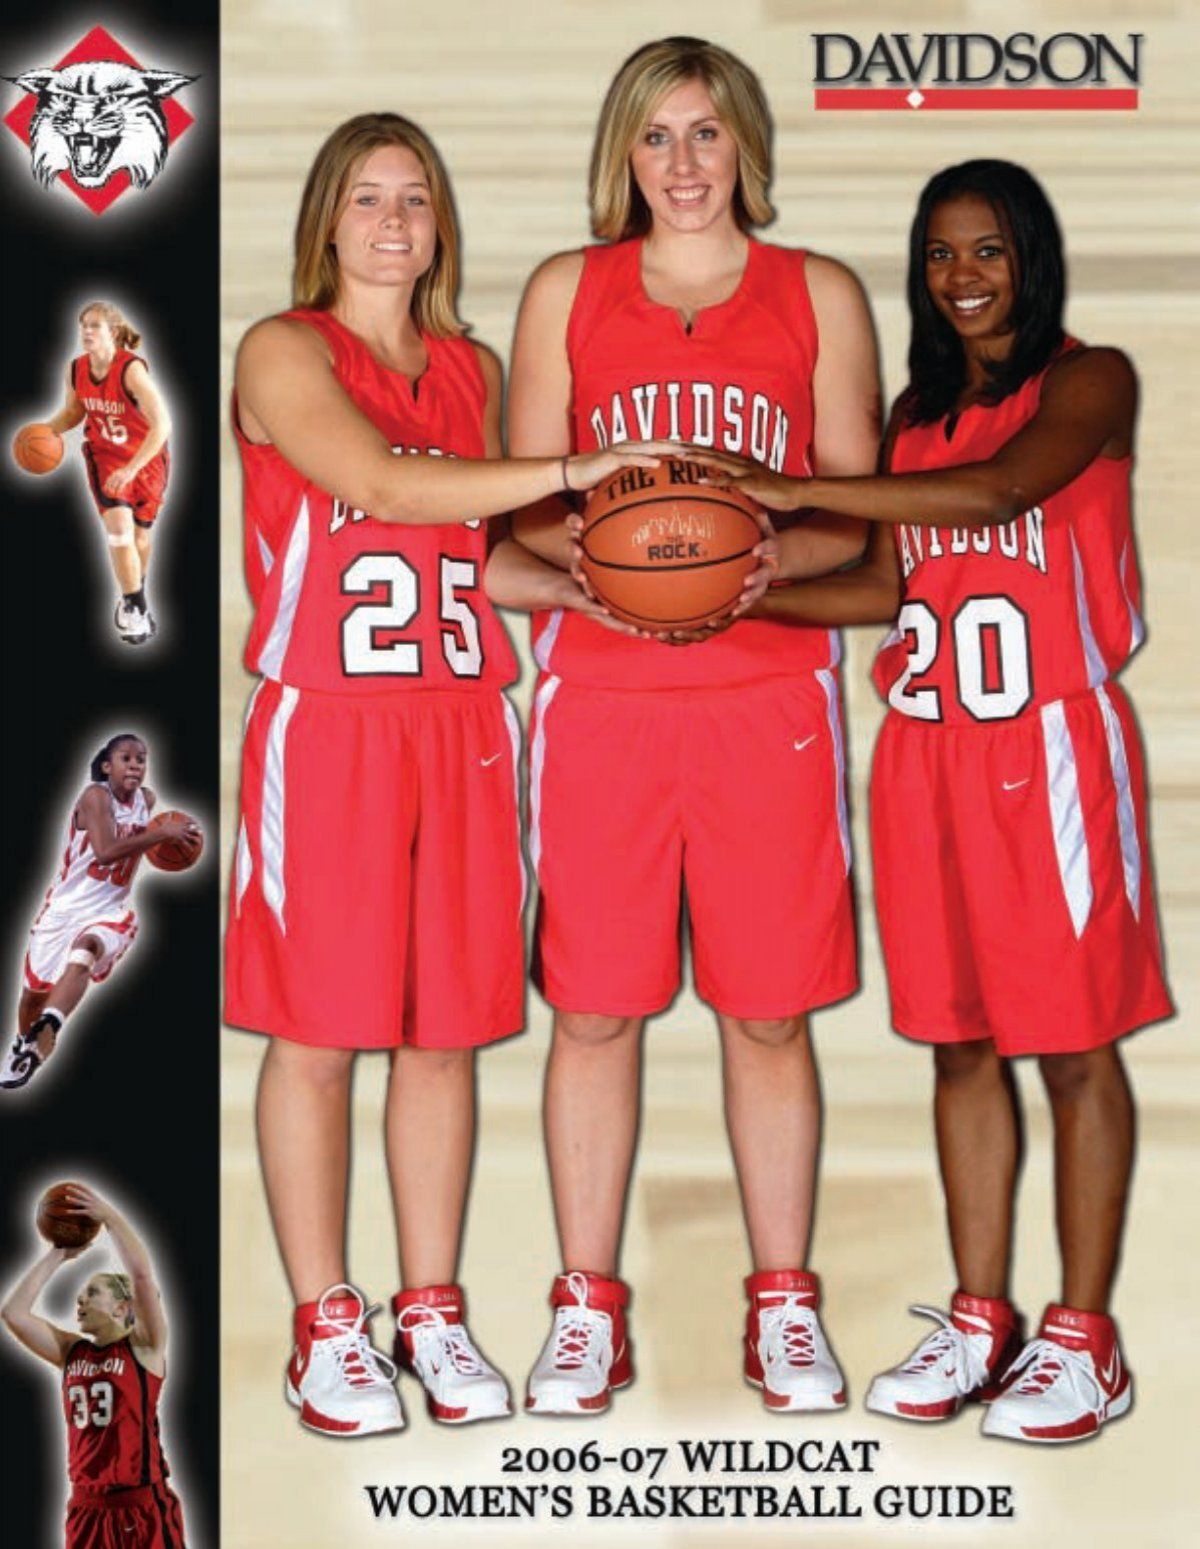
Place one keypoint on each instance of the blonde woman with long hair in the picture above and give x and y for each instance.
(377, 888)
(126, 424)
(113, 1365)
(708, 764)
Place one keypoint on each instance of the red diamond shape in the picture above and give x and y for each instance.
(95, 46)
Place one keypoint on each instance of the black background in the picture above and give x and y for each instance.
(130, 1101)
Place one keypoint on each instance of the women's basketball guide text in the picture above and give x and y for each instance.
(713, 1479)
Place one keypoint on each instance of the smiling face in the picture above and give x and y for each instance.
(385, 232)
(685, 161)
(971, 272)
(125, 767)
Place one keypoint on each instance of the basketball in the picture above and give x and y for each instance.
(59, 1224)
(37, 448)
(173, 854)
(663, 551)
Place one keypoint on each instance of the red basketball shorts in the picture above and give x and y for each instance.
(144, 496)
(377, 887)
(148, 1517)
(732, 797)
(1012, 878)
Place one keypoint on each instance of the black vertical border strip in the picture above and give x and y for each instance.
(133, 1105)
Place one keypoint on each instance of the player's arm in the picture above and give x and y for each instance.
(95, 813)
(36, 1333)
(539, 406)
(72, 412)
(158, 421)
(288, 396)
(150, 1326)
(847, 411)
(1087, 409)
(868, 593)
(515, 576)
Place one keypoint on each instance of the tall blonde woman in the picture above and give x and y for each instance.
(709, 765)
(377, 889)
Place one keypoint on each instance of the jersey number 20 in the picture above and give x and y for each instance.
(366, 654)
(995, 694)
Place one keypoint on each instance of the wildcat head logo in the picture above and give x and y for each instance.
(98, 121)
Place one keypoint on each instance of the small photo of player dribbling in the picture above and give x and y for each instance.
(86, 923)
(124, 447)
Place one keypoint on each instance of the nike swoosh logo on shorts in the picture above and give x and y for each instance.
(800, 746)
(1012, 785)
(485, 762)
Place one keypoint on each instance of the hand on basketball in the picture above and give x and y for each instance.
(587, 469)
(186, 830)
(81, 1200)
(118, 479)
(775, 491)
(581, 598)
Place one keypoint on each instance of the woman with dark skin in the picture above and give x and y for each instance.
(85, 925)
(1003, 549)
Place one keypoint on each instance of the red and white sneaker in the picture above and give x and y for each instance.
(1066, 1383)
(786, 1352)
(432, 1344)
(959, 1363)
(588, 1353)
(337, 1379)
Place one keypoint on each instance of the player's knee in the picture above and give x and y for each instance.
(965, 1061)
(119, 526)
(319, 1069)
(1067, 1076)
(85, 953)
(433, 1063)
(590, 1029)
(768, 1032)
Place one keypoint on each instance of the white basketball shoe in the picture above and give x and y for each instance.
(960, 1362)
(337, 1379)
(433, 1344)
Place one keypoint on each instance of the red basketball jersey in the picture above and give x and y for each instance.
(998, 619)
(115, 426)
(348, 604)
(740, 381)
(110, 1402)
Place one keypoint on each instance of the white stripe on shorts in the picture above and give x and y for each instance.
(265, 554)
(1066, 814)
(244, 864)
(544, 648)
(1131, 849)
(270, 658)
(273, 806)
(514, 736)
(537, 760)
(828, 681)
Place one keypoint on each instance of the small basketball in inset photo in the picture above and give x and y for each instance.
(662, 550)
(59, 1224)
(38, 449)
(174, 854)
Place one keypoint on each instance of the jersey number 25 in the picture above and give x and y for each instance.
(366, 654)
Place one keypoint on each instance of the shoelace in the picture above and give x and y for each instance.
(789, 1329)
(356, 1357)
(1045, 1364)
(950, 1345)
(579, 1331)
(437, 1342)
